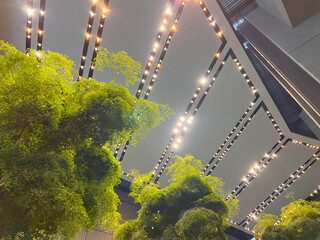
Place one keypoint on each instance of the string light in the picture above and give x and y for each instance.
(282, 187)
(151, 58)
(255, 171)
(29, 11)
(246, 112)
(87, 39)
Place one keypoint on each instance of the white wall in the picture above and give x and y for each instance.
(302, 43)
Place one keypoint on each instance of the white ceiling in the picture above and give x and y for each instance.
(132, 26)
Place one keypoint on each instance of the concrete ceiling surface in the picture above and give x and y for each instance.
(132, 26)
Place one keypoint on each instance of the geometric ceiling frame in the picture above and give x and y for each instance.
(241, 55)
(237, 133)
(216, 55)
(243, 58)
(281, 188)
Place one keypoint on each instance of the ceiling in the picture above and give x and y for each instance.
(132, 26)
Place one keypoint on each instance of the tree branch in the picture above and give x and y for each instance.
(63, 140)
(20, 134)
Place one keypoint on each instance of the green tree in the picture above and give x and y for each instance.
(57, 172)
(300, 220)
(190, 207)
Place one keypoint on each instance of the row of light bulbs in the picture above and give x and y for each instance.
(256, 94)
(30, 10)
(316, 191)
(234, 139)
(159, 62)
(92, 13)
(247, 179)
(99, 35)
(258, 167)
(194, 97)
(164, 22)
(192, 101)
(281, 188)
(204, 95)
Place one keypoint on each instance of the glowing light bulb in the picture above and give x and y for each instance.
(173, 27)
(88, 35)
(168, 10)
(42, 12)
(219, 33)
(98, 39)
(29, 11)
(176, 130)
(162, 28)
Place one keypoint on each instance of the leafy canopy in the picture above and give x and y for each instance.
(299, 220)
(57, 173)
(190, 207)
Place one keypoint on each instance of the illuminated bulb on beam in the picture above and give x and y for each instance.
(176, 130)
(162, 28)
(164, 21)
(88, 35)
(173, 27)
(42, 12)
(94, 1)
(213, 23)
(104, 10)
(185, 129)
(219, 33)
(156, 45)
(168, 10)
(91, 14)
(98, 39)
(29, 11)
(175, 146)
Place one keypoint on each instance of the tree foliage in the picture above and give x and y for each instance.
(300, 220)
(188, 208)
(57, 173)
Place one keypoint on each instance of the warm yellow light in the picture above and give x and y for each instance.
(40, 32)
(88, 35)
(149, 64)
(156, 45)
(176, 130)
(98, 39)
(203, 81)
(29, 30)
(173, 27)
(164, 21)
(42, 12)
(91, 14)
(219, 33)
(29, 11)
(94, 1)
(217, 55)
(168, 10)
